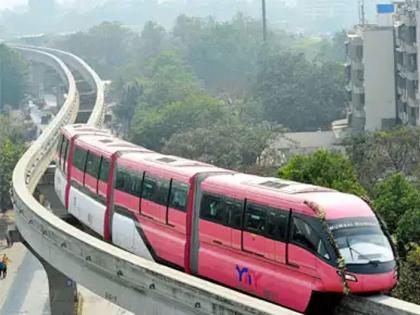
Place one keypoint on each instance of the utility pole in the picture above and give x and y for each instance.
(362, 19)
(264, 19)
(1, 84)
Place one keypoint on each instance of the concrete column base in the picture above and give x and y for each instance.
(63, 291)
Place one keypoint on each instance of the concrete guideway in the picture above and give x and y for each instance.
(127, 280)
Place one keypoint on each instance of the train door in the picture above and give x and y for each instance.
(253, 239)
(176, 214)
(177, 206)
(276, 234)
(91, 174)
(154, 199)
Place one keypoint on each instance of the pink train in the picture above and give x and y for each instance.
(251, 233)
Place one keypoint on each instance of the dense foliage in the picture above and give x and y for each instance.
(13, 77)
(287, 83)
(299, 94)
(11, 148)
(323, 168)
(380, 153)
(398, 201)
(409, 286)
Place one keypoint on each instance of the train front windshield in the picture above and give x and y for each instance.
(362, 242)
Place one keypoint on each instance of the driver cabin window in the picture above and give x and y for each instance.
(305, 236)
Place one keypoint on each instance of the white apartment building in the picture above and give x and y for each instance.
(407, 19)
(370, 78)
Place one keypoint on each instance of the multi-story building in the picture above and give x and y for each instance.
(407, 19)
(370, 78)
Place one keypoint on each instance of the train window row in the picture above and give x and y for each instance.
(155, 189)
(221, 210)
(262, 220)
(136, 183)
(91, 164)
(258, 219)
(129, 181)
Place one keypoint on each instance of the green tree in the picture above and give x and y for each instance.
(224, 54)
(324, 168)
(299, 94)
(408, 230)
(385, 152)
(398, 202)
(128, 95)
(409, 286)
(167, 78)
(229, 144)
(393, 197)
(11, 148)
(333, 49)
(152, 41)
(13, 77)
(152, 126)
(105, 47)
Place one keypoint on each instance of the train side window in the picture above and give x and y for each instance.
(304, 235)
(79, 160)
(60, 149)
(178, 196)
(123, 181)
(213, 209)
(277, 224)
(255, 219)
(235, 209)
(66, 149)
(92, 165)
(155, 189)
(136, 183)
(104, 173)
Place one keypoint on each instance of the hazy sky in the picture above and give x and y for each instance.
(9, 4)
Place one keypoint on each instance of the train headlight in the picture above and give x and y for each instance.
(350, 277)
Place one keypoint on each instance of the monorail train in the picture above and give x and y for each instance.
(247, 232)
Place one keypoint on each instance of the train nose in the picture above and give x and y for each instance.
(373, 282)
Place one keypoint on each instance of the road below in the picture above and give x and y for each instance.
(25, 289)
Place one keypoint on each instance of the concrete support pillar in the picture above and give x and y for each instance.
(63, 291)
(39, 79)
(60, 96)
